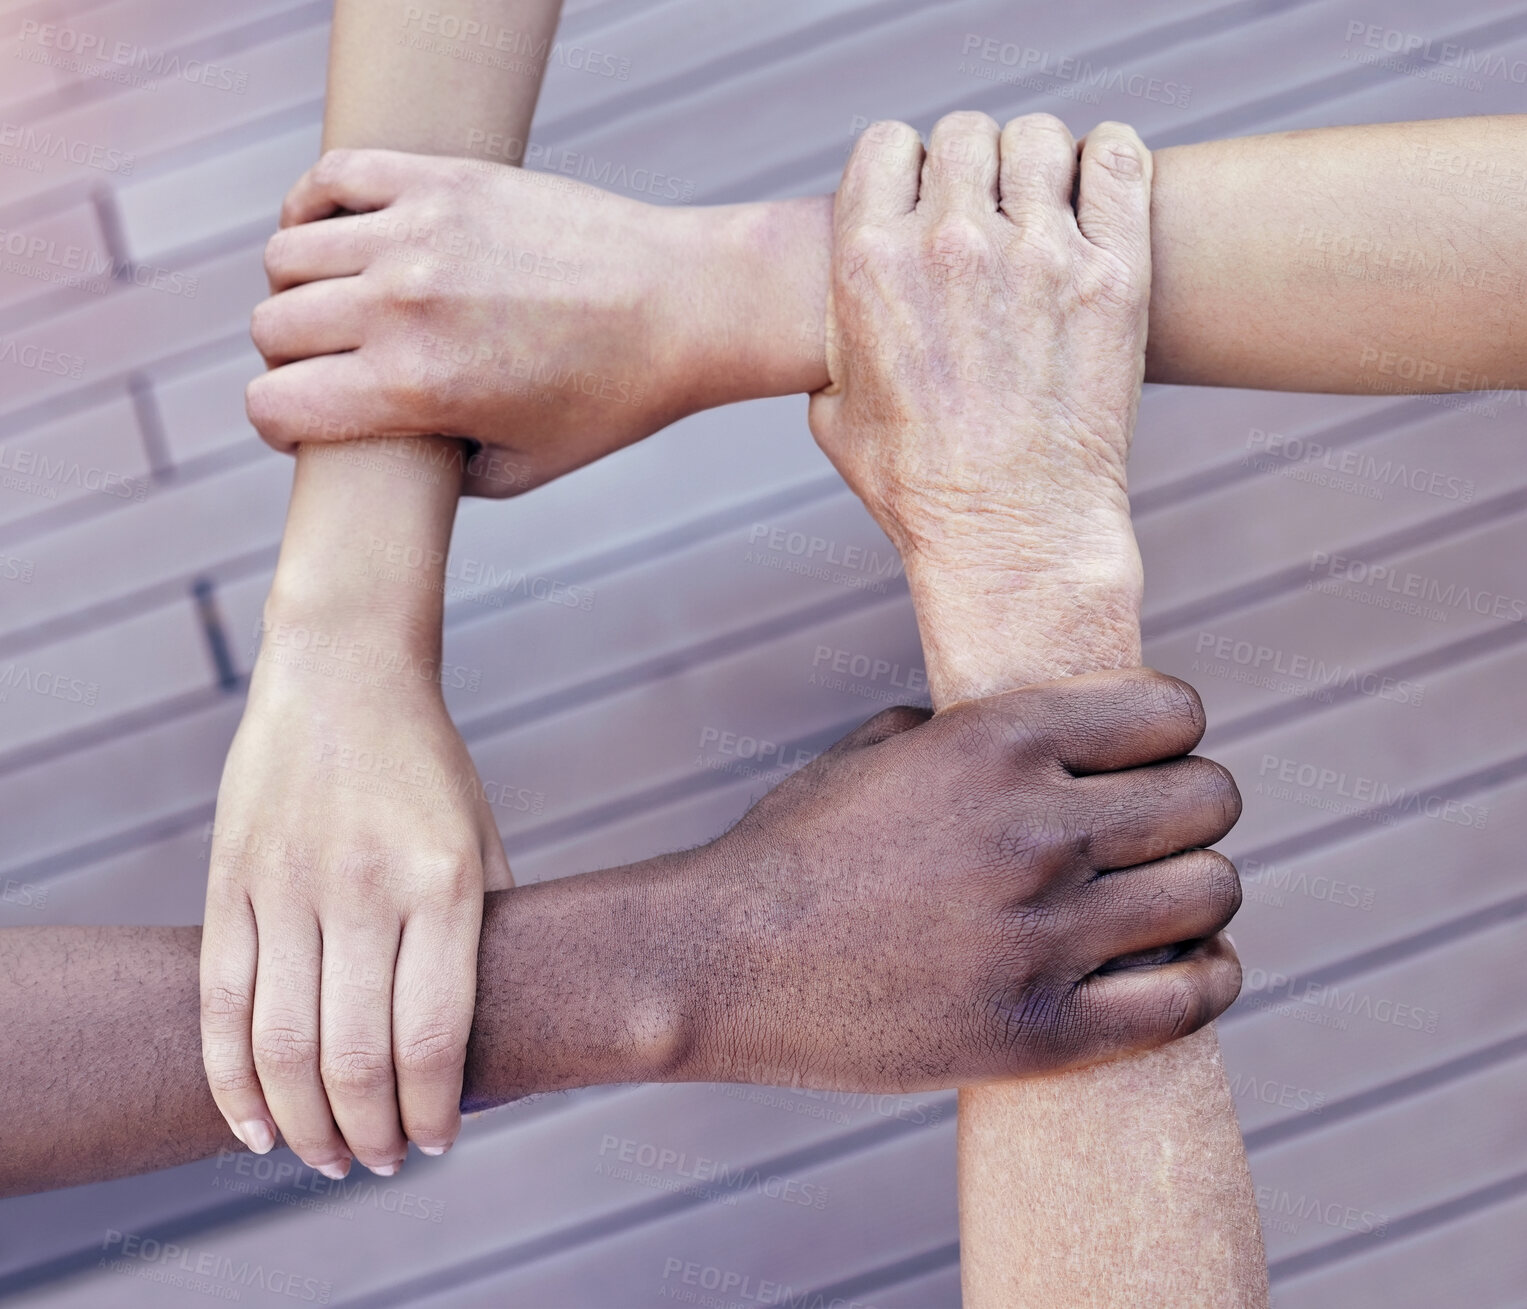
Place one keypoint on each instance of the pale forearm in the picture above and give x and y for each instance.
(1390, 257)
(1120, 1184)
(374, 501)
(1385, 257)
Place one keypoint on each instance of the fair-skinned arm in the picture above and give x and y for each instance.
(344, 900)
(986, 345)
(804, 947)
(1387, 257)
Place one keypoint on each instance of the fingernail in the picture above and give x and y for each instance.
(334, 1172)
(433, 1149)
(256, 1134)
(385, 1170)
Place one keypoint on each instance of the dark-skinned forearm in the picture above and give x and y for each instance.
(577, 986)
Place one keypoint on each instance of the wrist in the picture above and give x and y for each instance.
(751, 295)
(402, 609)
(310, 641)
(586, 981)
(990, 624)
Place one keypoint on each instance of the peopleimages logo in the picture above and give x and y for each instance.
(40, 359)
(41, 145)
(1444, 54)
(699, 1169)
(1338, 785)
(83, 47)
(1402, 584)
(1259, 664)
(218, 1275)
(1027, 61)
(50, 685)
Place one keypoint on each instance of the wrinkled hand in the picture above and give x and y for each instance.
(351, 850)
(419, 295)
(986, 345)
(1012, 887)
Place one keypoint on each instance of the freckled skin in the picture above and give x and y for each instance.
(866, 926)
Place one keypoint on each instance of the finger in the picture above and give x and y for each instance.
(960, 171)
(1161, 905)
(433, 998)
(355, 1028)
(353, 180)
(1037, 174)
(880, 179)
(320, 318)
(286, 1044)
(1098, 722)
(1144, 814)
(228, 957)
(336, 247)
(1135, 1009)
(1113, 202)
(322, 400)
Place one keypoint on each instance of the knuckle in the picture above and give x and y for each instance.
(283, 1052)
(1059, 1025)
(231, 1079)
(1184, 1006)
(264, 326)
(295, 866)
(1029, 721)
(957, 238)
(1042, 128)
(260, 402)
(1040, 841)
(454, 878)
(1168, 701)
(1222, 887)
(865, 247)
(357, 1070)
(895, 720)
(975, 731)
(431, 1052)
(219, 1002)
(1218, 793)
(886, 132)
(334, 165)
(1118, 152)
(408, 390)
(413, 285)
(1030, 1019)
(1181, 700)
(277, 250)
(1230, 968)
(1111, 283)
(965, 121)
